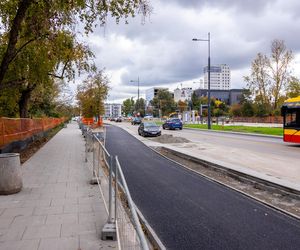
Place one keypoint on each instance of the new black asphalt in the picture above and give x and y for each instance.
(188, 211)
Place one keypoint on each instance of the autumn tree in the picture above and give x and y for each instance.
(38, 41)
(270, 75)
(182, 106)
(91, 94)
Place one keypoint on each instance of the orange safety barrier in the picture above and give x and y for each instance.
(90, 122)
(87, 121)
(17, 129)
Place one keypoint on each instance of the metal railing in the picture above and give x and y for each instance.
(121, 210)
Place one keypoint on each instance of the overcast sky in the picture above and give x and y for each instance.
(161, 52)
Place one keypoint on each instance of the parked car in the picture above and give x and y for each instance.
(172, 123)
(149, 129)
(119, 119)
(112, 119)
(136, 120)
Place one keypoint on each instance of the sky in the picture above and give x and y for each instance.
(161, 51)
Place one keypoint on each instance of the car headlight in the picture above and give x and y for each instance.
(146, 129)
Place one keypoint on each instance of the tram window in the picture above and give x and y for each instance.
(292, 119)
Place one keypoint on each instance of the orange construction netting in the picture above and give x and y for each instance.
(16, 129)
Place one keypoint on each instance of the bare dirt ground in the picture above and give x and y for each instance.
(166, 138)
(282, 201)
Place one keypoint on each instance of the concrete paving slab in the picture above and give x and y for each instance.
(44, 231)
(20, 245)
(59, 244)
(38, 220)
(58, 219)
(12, 233)
(75, 229)
(5, 222)
(57, 206)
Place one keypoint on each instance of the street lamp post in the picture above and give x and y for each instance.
(138, 82)
(208, 94)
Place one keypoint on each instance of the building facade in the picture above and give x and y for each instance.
(113, 109)
(151, 93)
(229, 97)
(220, 77)
(184, 94)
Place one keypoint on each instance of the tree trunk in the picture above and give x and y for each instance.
(24, 102)
(13, 36)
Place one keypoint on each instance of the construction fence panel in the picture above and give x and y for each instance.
(18, 129)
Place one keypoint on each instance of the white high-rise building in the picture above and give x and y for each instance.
(219, 77)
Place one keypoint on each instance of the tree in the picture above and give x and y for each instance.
(128, 106)
(38, 42)
(44, 17)
(164, 103)
(92, 93)
(140, 106)
(269, 75)
(235, 110)
(196, 102)
(182, 106)
(293, 88)
(247, 108)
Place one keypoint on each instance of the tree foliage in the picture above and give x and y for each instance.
(293, 88)
(128, 106)
(270, 76)
(38, 42)
(92, 93)
(139, 106)
(164, 103)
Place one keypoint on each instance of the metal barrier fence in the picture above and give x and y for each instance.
(123, 223)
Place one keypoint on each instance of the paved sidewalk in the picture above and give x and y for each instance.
(57, 207)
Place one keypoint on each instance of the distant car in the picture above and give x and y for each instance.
(112, 119)
(172, 123)
(136, 120)
(149, 129)
(149, 117)
(119, 119)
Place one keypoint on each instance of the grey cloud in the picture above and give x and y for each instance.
(244, 5)
(163, 52)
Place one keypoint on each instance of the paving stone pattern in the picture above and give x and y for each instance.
(57, 207)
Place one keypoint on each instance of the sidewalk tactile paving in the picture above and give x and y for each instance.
(57, 207)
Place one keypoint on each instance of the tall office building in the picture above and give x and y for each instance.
(219, 77)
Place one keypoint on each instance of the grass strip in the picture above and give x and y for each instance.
(243, 129)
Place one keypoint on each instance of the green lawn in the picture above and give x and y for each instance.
(244, 129)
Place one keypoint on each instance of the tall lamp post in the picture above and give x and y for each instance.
(138, 82)
(208, 94)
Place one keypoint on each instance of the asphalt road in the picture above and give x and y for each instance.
(269, 156)
(190, 212)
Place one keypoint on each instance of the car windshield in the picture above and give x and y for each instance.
(150, 124)
(175, 120)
